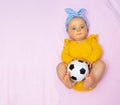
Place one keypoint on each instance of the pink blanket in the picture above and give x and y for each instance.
(31, 40)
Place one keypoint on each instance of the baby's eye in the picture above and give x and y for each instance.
(73, 28)
(81, 27)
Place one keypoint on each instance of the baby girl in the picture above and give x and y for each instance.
(82, 47)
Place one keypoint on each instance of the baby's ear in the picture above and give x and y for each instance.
(87, 30)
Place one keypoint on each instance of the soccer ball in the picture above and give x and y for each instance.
(78, 70)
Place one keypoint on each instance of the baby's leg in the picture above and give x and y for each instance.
(63, 75)
(96, 74)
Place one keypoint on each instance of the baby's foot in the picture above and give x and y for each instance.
(67, 80)
(89, 81)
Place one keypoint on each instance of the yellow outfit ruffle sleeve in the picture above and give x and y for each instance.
(89, 49)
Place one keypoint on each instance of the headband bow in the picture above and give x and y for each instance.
(72, 14)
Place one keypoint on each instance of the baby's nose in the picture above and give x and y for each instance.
(78, 29)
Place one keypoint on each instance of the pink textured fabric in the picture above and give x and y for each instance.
(31, 39)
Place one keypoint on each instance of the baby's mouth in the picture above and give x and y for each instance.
(79, 34)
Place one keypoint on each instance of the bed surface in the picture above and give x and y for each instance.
(31, 39)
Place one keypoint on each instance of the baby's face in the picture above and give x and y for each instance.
(77, 29)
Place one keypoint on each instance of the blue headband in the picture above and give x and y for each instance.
(72, 14)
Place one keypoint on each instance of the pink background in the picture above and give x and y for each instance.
(31, 40)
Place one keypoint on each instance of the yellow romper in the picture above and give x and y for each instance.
(89, 49)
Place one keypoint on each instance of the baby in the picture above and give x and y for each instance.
(81, 47)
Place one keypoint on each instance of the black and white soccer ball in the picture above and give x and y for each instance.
(78, 70)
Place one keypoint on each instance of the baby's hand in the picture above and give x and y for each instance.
(89, 76)
(88, 82)
(88, 63)
(67, 75)
(67, 81)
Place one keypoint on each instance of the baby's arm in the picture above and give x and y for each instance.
(65, 55)
(62, 72)
(96, 50)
